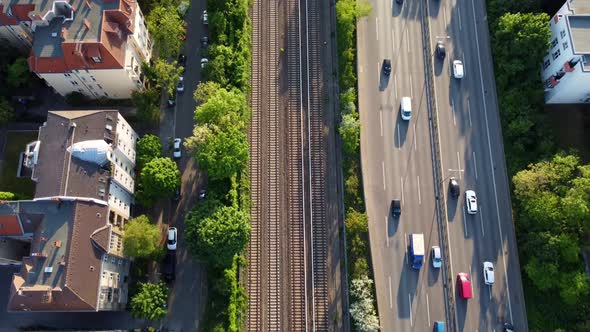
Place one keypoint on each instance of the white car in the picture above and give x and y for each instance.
(180, 85)
(471, 201)
(204, 62)
(436, 257)
(488, 273)
(172, 239)
(458, 69)
(205, 17)
(177, 153)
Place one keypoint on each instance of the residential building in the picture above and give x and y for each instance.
(83, 165)
(94, 47)
(566, 67)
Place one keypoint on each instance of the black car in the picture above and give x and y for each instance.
(182, 60)
(169, 266)
(396, 208)
(454, 188)
(204, 42)
(172, 99)
(399, 1)
(386, 67)
(440, 50)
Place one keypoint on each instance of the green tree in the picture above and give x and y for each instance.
(362, 310)
(166, 28)
(350, 130)
(159, 178)
(6, 196)
(141, 237)
(18, 74)
(149, 302)
(218, 237)
(6, 111)
(148, 148)
(167, 75)
(147, 104)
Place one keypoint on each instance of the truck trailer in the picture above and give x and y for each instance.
(416, 249)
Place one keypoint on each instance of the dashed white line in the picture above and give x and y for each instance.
(386, 232)
(383, 170)
(483, 232)
(464, 222)
(377, 28)
(428, 309)
(392, 39)
(390, 296)
(491, 161)
(475, 164)
(469, 112)
(415, 137)
(410, 303)
(408, 40)
(402, 182)
(490, 292)
(459, 16)
(396, 87)
(453, 111)
(411, 89)
(459, 164)
(381, 121)
(419, 197)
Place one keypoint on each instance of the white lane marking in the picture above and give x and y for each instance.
(383, 170)
(464, 222)
(485, 112)
(390, 296)
(378, 72)
(428, 309)
(399, 139)
(381, 121)
(411, 88)
(483, 232)
(410, 303)
(453, 111)
(402, 182)
(419, 197)
(472, 281)
(396, 87)
(459, 164)
(377, 27)
(406, 247)
(392, 40)
(459, 16)
(408, 39)
(445, 15)
(475, 164)
(414, 137)
(386, 232)
(469, 112)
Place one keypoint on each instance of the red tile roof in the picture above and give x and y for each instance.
(10, 225)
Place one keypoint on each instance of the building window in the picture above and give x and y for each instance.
(96, 59)
(546, 64)
(74, 82)
(83, 79)
(562, 33)
(106, 94)
(565, 45)
(92, 77)
(556, 54)
(553, 42)
(67, 75)
(80, 90)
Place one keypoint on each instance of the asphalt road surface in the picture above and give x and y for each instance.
(397, 163)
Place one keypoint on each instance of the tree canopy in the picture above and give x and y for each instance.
(6, 111)
(217, 237)
(141, 237)
(166, 28)
(159, 178)
(148, 148)
(149, 302)
(167, 74)
(18, 74)
(147, 104)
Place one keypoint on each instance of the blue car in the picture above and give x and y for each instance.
(439, 326)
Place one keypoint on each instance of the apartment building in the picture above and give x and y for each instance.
(83, 165)
(566, 67)
(94, 47)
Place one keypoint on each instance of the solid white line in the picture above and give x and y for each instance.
(475, 164)
(459, 16)
(469, 112)
(402, 182)
(459, 164)
(410, 302)
(386, 232)
(381, 121)
(428, 309)
(419, 197)
(485, 112)
(483, 232)
(453, 111)
(377, 28)
(415, 137)
(472, 282)
(399, 139)
(396, 87)
(445, 15)
(383, 170)
(390, 296)
(411, 89)
(464, 222)
(408, 39)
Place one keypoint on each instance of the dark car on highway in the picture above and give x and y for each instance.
(440, 50)
(454, 188)
(386, 67)
(396, 208)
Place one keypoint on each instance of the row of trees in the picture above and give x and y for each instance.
(362, 299)
(551, 190)
(14, 77)
(158, 177)
(218, 230)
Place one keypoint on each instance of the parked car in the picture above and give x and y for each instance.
(204, 62)
(172, 238)
(177, 194)
(454, 188)
(508, 327)
(471, 201)
(458, 69)
(180, 85)
(396, 208)
(205, 17)
(440, 50)
(172, 99)
(182, 60)
(202, 194)
(386, 67)
(436, 257)
(169, 266)
(204, 42)
(464, 285)
(177, 154)
(488, 273)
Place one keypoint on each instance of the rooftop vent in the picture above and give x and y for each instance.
(48, 269)
(109, 127)
(54, 34)
(91, 268)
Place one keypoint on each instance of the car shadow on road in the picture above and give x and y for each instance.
(401, 128)
(439, 64)
(383, 80)
(406, 290)
(452, 204)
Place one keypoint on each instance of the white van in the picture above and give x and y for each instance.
(406, 108)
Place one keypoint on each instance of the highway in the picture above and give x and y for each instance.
(398, 163)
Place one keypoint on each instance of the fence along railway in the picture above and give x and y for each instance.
(287, 270)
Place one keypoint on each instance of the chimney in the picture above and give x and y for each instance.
(87, 24)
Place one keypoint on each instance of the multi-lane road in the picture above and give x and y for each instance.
(461, 121)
